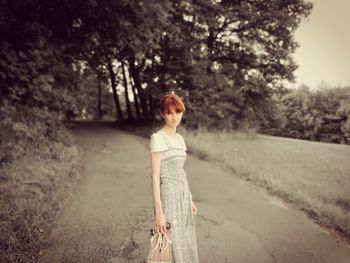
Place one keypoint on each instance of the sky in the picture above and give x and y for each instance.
(323, 55)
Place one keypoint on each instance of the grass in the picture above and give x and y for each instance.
(313, 176)
(32, 189)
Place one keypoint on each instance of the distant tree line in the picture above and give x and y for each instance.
(317, 115)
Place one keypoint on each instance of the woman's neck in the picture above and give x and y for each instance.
(169, 130)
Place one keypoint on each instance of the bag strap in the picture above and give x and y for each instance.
(159, 241)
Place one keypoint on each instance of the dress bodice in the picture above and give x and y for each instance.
(172, 153)
(174, 189)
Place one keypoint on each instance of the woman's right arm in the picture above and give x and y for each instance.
(159, 225)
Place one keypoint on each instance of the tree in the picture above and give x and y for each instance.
(250, 42)
(321, 115)
(237, 54)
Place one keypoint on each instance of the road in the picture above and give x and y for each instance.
(108, 216)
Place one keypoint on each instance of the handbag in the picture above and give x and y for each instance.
(161, 249)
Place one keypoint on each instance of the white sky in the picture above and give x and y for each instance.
(324, 39)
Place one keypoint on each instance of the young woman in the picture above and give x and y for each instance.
(171, 194)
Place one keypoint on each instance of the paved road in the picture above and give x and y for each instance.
(108, 215)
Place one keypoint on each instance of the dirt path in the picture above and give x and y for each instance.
(108, 216)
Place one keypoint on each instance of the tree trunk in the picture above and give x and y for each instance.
(136, 100)
(210, 44)
(99, 110)
(127, 101)
(114, 89)
(135, 73)
(151, 107)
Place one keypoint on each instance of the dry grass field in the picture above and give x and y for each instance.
(313, 176)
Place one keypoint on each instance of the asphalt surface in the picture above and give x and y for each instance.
(109, 214)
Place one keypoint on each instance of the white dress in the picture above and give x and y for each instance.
(176, 196)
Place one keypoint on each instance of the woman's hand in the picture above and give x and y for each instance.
(194, 208)
(159, 225)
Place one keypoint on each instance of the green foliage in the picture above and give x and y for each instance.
(37, 87)
(321, 115)
(237, 51)
(34, 98)
(240, 51)
(88, 83)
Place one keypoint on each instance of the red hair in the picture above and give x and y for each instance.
(172, 101)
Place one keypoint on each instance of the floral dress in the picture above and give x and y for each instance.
(175, 195)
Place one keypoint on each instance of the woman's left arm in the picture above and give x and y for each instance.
(193, 206)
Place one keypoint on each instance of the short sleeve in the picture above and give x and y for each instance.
(183, 143)
(157, 143)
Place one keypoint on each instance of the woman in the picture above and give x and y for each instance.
(171, 194)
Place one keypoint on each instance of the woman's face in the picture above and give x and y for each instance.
(172, 118)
